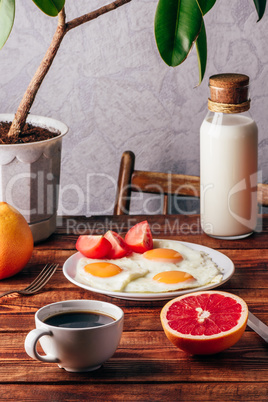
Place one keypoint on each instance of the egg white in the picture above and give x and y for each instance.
(191, 258)
(196, 263)
(138, 272)
(149, 285)
(116, 283)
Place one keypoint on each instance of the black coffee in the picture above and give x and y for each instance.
(78, 319)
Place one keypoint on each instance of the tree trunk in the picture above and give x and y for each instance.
(29, 96)
(62, 28)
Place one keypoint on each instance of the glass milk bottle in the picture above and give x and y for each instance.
(228, 160)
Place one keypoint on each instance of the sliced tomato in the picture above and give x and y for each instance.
(93, 246)
(139, 238)
(119, 247)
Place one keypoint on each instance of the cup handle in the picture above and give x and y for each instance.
(30, 345)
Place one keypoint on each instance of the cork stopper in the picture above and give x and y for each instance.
(229, 88)
(229, 91)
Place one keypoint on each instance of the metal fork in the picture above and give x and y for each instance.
(39, 282)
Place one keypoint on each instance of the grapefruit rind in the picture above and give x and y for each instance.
(202, 344)
(16, 241)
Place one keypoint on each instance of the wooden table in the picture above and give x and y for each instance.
(146, 366)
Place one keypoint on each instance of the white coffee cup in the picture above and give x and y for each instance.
(76, 349)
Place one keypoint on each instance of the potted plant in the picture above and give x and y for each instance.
(30, 160)
(30, 146)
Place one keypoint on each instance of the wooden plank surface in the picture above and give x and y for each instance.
(190, 392)
(146, 366)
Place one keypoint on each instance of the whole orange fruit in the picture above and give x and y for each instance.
(204, 322)
(16, 241)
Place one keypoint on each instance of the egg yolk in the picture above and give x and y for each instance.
(163, 255)
(102, 269)
(172, 277)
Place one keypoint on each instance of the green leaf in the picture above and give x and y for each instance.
(177, 25)
(50, 7)
(201, 48)
(260, 7)
(7, 15)
(206, 5)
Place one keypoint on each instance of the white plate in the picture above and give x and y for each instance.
(227, 266)
(223, 262)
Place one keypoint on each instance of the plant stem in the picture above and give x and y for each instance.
(29, 96)
(94, 14)
(62, 28)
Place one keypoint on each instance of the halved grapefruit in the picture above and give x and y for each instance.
(204, 322)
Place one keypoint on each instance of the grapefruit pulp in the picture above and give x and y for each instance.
(204, 322)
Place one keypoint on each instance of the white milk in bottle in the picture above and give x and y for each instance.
(228, 160)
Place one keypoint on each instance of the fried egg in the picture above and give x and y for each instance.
(169, 266)
(166, 281)
(174, 266)
(111, 275)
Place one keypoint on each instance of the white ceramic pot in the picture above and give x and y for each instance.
(30, 175)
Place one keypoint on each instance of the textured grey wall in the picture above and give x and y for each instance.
(109, 85)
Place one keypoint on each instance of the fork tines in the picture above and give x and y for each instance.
(42, 278)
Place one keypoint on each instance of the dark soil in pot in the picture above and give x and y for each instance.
(30, 133)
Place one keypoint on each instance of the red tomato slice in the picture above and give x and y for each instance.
(93, 246)
(119, 247)
(139, 238)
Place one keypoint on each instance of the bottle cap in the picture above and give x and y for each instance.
(229, 90)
